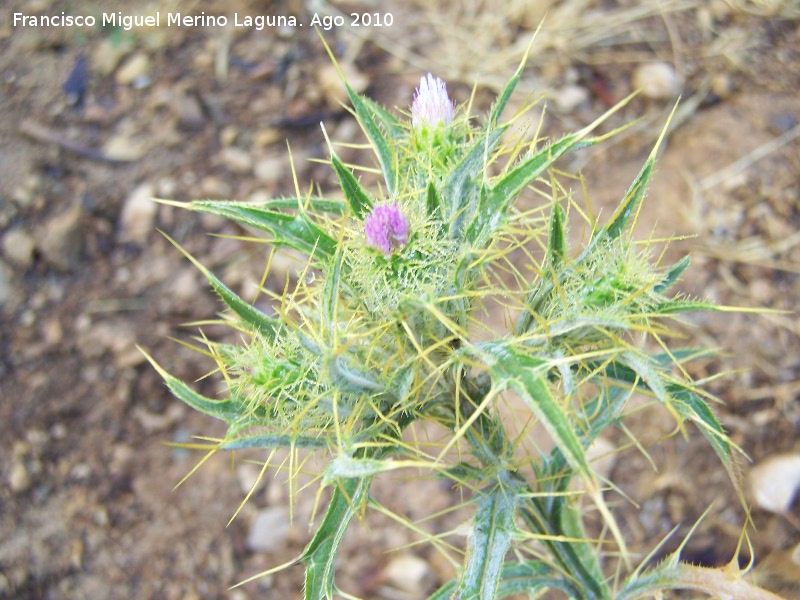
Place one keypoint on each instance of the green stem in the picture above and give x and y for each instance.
(488, 441)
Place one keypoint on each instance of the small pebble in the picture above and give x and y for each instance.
(248, 474)
(775, 482)
(272, 169)
(18, 479)
(137, 220)
(410, 574)
(186, 107)
(60, 240)
(236, 160)
(107, 55)
(781, 123)
(267, 136)
(570, 98)
(18, 248)
(656, 80)
(269, 529)
(228, 135)
(213, 187)
(135, 71)
(123, 148)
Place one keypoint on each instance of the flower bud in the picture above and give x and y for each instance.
(431, 104)
(386, 228)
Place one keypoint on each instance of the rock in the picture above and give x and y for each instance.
(775, 482)
(570, 97)
(24, 195)
(135, 71)
(185, 286)
(272, 169)
(410, 574)
(267, 136)
(123, 148)
(269, 529)
(228, 135)
(60, 240)
(212, 186)
(152, 422)
(186, 107)
(248, 475)
(108, 53)
(18, 248)
(137, 220)
(656, 80)
(18, 479)
(236, 160)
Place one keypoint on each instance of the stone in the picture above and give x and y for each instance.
(186, 107)
(134, 71)
(137, 220)
(269, 529)
(775, 482)
(236, 160)
(410, 574)
(656, 80)
(272, 169)
(107, 55)
(60, 240)
(124, 148)
(570, 98)
(18, 479)
(18, 246)
(248, 476)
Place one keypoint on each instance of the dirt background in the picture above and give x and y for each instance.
(95, 121)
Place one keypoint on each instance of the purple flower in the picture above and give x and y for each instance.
(431, 105)
(386, 228)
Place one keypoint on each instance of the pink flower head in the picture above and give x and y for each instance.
(431, 105)
(386, 228)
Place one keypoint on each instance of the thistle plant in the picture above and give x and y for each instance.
(384, 339)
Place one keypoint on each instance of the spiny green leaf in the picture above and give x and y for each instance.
(672, 274)
(505, 95)
(557, 244)
(494, 204)
(690, 406)
(366, 112)
(355, 194)
(530, 577)
(492, 530)
(331, 296)
(295, 231)
(394, 128)
(432, 201)
(571, 522)
(344, 466)
(225, 410)
(320, 554)
(680, 305)
(265, 325)
(526, 375)
(630, 203)
(275, 440)
(460, 182)
(312, 203)
(633, 197)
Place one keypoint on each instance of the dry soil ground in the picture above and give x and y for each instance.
(94, 121)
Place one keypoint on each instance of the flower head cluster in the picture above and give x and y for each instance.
(386, 228)
(431, 104)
